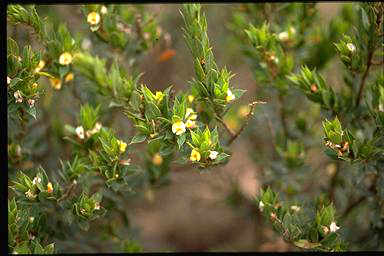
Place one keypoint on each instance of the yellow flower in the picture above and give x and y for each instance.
(49, 187)
(230, 96)
(65, 58)
(159, 96)
(178, 128)
(34, 85)
(190, 124)
(195, 155)
(69, 77)
(93, 18)
(56, 83)
(157, 159)
(188, 112)
(40, 66)
(122, 145)
(191, 98)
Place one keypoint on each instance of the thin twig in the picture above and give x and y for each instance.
(333, 183)
(251, 105)
(282, 115)
(229, 130)
(362, 83)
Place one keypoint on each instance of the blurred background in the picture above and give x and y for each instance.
(209, 211)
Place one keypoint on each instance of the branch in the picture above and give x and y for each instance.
(252, 105)
(229, 130)
(362, 83)
(333, 183)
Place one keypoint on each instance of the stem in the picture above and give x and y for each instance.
(229, 130)
(362, 83)
(352, 206)
(252, 105)
(282, 114)
(334, 182)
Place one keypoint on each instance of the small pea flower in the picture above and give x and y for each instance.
(93, 18)
(19, 58)
(157, 159)
(18, 96)
(49, 187)
(178, 128)
(103, 9)
(190, 124)
(55, 83)
(195, 155)
(333, 227)
(8, 80)
(31, 103)
(36, 180)
(351, 47)
(40, 66)
(159, 96)
(69, 77)
(31, 219)
(80, 132)
(283, 36)
(295, 208)
(190, 98)
(34, 85)
(188, 113)
(97, 206)
(213, 155)
(230, 96)
(261, 206)
(65, 58)
(122, 145)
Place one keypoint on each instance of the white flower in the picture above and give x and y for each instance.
(295, 208)
(333, 227)
(97, 206)
(8, 80)
(36, 179)
(80, 132)
(104, 9)
(86, 44)
(261, 205)
(31, 219)
(351, 47)
(213, 155)
(18, 96)
(31, 103)
(283, 36)
(19, 58)
(381, 107)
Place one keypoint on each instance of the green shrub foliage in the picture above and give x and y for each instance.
(287, 50)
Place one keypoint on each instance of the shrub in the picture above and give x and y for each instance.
(51, 207)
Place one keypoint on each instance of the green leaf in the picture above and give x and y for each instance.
(302, 243)
(152, 111)
(31, 111)
(181, 140)
(138, 138)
